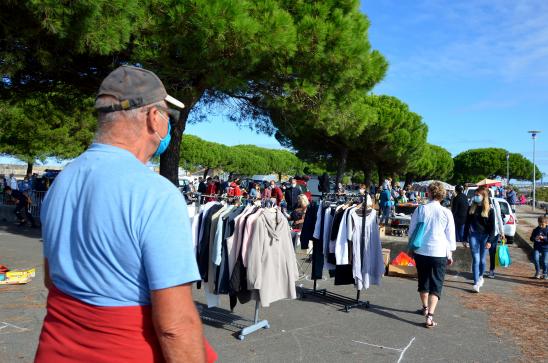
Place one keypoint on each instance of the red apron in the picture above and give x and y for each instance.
(74, 331)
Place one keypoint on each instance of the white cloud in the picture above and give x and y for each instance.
(475, 38)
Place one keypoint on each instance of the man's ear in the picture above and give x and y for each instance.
(152, 120)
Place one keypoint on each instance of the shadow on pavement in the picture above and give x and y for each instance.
(15, 228)
(385, 311)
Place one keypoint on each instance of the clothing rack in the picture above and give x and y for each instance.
(229, 318)
(347, 302)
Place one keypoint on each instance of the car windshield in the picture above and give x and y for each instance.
(504, 208)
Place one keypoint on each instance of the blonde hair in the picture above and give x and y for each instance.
(484, 203)
(303, 201)
(436, 191)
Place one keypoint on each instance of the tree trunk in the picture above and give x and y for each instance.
(381, 175)
(342, 166)
(280, 177)
(30, 165)
(169, 160)
(205, 173)
(367, 175)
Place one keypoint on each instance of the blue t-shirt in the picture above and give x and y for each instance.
(114, 230)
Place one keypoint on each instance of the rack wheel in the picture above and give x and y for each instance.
(346, 309)
(241, 337)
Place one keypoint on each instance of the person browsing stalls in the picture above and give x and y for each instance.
(119, 259)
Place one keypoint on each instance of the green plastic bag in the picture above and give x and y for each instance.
(502, 257)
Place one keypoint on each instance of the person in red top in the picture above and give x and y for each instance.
(276, 193)
(235, 186)
(211, 189)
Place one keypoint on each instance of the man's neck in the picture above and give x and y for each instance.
(133, 147)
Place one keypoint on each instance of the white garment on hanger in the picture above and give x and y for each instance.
(317, 226)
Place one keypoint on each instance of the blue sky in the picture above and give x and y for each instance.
(476, 70)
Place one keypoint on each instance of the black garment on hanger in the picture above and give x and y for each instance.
(307, 231)
(344, 275)
(203, 245)
(337, 223)
(317, 251)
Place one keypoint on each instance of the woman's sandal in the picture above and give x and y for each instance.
(424, 311)
(430, 323)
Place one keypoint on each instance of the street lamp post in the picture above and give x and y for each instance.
(534, 134)
(507, 169)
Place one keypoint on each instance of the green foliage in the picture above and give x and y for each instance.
(241, 159)
(435, 163)
(476, 164)
(541, 194)
(270, 57)
(53, 124)
(391, 143)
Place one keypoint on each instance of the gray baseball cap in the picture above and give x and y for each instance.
(134, 87)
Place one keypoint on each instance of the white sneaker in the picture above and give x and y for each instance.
(476, 288)
(480, 282)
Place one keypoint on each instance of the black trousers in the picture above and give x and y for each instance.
(23, 213)
(431, 273)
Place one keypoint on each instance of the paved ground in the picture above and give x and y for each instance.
(310, 330)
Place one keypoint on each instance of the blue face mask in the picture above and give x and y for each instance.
(164, 143)
(478, 199)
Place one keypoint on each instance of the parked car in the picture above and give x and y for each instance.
(508, 217)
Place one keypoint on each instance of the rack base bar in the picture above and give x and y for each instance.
(229, 319)
(346, 302)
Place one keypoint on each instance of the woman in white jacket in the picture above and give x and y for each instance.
(435, 253)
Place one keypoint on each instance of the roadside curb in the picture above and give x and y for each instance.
(523, 243)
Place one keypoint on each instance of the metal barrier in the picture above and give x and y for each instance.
(37, 198)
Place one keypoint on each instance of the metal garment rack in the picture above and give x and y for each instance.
(346, 302)
(226, 318)
(235, 321)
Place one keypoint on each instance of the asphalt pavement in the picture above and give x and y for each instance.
(304, 330)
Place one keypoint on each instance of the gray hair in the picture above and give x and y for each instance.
(106, 120)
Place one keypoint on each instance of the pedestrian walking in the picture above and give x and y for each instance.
(539, 237)
(436, 250)
(512, 198)
(385, 204)
(23, 203)
(119, 258)
(479, 232)
(459, 208)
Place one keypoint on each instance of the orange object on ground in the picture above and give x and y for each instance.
(74, 331)
(403, 259)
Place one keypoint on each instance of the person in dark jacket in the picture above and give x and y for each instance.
(292, 195)
(512, 198)
(539, 237)
(459, 207)
(479, 232)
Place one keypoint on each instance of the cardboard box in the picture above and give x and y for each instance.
(386, 256)
(404, 271)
